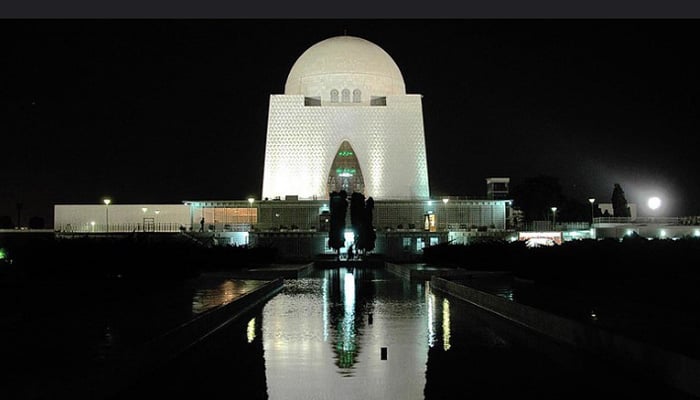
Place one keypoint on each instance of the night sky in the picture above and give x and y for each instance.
(160, 111)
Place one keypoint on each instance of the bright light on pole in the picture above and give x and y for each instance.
(92, 223)
(144, 209)
(107, 201)
(250, 210)
(447, 217)
(591, 200)
(554, 215)
(250, 213)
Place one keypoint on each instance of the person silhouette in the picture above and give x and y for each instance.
(350, 253)
(201, 225)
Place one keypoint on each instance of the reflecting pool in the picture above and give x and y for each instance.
(329, 333)
(366, 334)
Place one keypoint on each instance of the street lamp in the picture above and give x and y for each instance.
(107, 201)
(445, 200)
(92, 223)
(554, 216)
(250, 210)
(591, 200)
(155, 222)
(144, 209)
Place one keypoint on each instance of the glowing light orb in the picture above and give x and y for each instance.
(654, 203)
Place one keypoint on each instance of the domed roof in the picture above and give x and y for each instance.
(344, 61)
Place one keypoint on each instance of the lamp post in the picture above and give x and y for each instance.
(447, 218)
(250, 210)
(92, 224)
(107, 201)
(155, 222)
(591, 200)
(250, 214)
(144, 209)
(554, 216)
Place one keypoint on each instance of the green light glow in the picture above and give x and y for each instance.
(3, 254)
(345, 171)
(345, 153)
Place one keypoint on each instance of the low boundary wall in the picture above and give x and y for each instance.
(406, 272)
(676, 370)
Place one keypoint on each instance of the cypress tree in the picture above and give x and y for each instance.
(357, 218)
(338, 207)
(619, 203)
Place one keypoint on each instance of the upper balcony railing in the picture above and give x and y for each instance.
(647, 220)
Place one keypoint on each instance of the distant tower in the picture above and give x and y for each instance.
(497, 188)
(345, 122)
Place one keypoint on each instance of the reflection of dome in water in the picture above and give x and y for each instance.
(345, 62)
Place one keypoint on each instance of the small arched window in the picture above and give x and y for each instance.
(356, 96)
(334, 96)
(346, 96)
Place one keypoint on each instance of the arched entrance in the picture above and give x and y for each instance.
(345, 173)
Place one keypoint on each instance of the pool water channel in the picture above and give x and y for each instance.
(367, 334)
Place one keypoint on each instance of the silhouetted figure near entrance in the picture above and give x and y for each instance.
(201, 225)
(350, 253)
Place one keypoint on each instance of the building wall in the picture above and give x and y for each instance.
(646, 230)
(397, 246)
(389, 214)
(240, 215)
(389, 143)
(122, 217)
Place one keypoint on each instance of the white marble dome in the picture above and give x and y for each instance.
(345, 64)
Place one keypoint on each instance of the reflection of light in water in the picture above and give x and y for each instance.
(294, 350)
(205, 299)
(508, 294)
(227, 292)
(446, 324)
(431, 310)
(347, 334)
(251, 330)
(325, 307)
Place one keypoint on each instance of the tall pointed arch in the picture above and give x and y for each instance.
(345, 173)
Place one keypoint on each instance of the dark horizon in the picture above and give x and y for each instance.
(160, 111)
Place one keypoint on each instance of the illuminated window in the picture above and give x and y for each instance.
(334, 96)
(356, 96)
(346, 95)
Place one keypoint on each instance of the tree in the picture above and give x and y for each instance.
(619, 203)
(361, 213)
(339, 208)
(369, 235)
(357, 218)
(536, 196)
